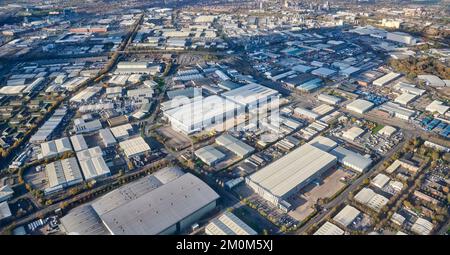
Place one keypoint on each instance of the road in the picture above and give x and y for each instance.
(343, 196)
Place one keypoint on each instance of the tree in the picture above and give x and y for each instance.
(366, 181)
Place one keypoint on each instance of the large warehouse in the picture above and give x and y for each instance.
(251, 95)
(201, 114)
(150, 206)
(290, 173)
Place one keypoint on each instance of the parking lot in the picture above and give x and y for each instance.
(175, 140)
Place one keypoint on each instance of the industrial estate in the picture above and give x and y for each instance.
(251, 117)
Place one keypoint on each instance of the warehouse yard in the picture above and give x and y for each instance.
(304, 202)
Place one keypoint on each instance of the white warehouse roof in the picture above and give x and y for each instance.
(329, 229)
(353, 133)
(351, 159)
(92, 163)
(360, 106)
(209, 155)
(293, 169)
(228, 224)
(78, 142)
(134, 147)
(250, 94)
(55, 147)
(347, 215)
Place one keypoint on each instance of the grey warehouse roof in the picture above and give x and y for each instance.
(236, 146)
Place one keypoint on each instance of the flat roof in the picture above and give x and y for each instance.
(288, 172)
(62, 172)
(233, 144)
(250, 93)
(5, 212)
(360, 105)
(160, 208)
(201, 111)
(228, 224)
(329, 229)
(134, 146)
(78, 142)
(347, 215)
(209, 154)
(323, 143)
(353, 159)
(92, 163)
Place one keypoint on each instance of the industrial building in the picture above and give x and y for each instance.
(387, 131)
(386, 79)
(306, 113)
(401, 37)
(360, 106)
(107, 137)
(328, 229)
(371, 199)
(323, 143)
(329, 99)
(6, 193)
(347, 215)
(351, 159)
(153, 205)
(85, 94)
(61, 174)
(437, 106)
(409, 88)
(422, 227)
(252, 95)
(5, 211)
(78, 143)
(405, 98)
(134, 147)
(380, 180)
(137, 68)
(54, 148)
(201, 114)
(210, 155)
(92, 163)
(122, 132)
(397, 111)
(234, 145)
(287, 175)
(353, 133)
(228, 224)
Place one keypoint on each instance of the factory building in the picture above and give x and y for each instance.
(78, 142)
(210, 155)
(329, 229)
(347, 215)
(228, 224)
(353, 133)
(62, 174)
(157, 205)
(401, 37)
(352, 159)
(202, 114)
(252, 95)
(397, 111)
(371, 199)
(92, 163)
(405, 98)
(122, 132)
(137, 68)
(329, 99)
(360, 106)
(287, 175)
(234, 145)
(55, 148)
(85, 94)
(386, 79)
(6, 193)
(134, 147)
(107, 137)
